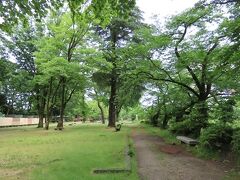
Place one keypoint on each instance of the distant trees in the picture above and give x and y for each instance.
(15, 77)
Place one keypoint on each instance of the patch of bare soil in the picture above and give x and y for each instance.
(158, 160)
(170, 149)
(10, 174)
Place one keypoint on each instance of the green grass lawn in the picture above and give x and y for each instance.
(31, 153)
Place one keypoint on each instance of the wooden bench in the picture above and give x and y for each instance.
(187, 140)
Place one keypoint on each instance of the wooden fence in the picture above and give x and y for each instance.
(14, 121)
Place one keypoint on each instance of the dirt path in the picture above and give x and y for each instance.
(160, 161)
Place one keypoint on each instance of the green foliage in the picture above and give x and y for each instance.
(206, 153)
(77, 106)
(94, 111)
(21, 46)
(101, 79)
(185, 127)
(236, 142)
(16, 89)
(133, 112)
(101, 12)
(226, 111)
(14, 11)
(194, 62)
(216, 136)
(153, 116)
(114, 41)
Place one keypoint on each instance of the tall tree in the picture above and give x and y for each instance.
(61, 63)
(115, 37)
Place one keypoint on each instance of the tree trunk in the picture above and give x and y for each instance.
(201, 119)
(40, 122)
(48, 105)
(112, 103)
(47, 115)
(118, 110)
(84, 113)
(112, 115)
(84, 116)
(41, 106)
(179, 115)
(166, 116)
(62, 107)
(47, 124)
(155, 117)
(102, 112)
(165, 121)
(203, 112)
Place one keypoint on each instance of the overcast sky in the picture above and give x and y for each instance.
(163, 8)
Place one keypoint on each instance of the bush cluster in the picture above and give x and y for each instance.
(236, 142)
(216, 136)
(189, 127)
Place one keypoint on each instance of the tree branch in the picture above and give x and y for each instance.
(195, 78)
(150, 76)
(69, 97)
(161, 69)
(179, 41)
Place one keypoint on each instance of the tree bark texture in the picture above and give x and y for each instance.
(62, 107)
(48, 114)
(42, 93)
(112, 103)
(101, 111)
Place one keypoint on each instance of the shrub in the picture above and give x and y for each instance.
(187, 127)
(204, 152)
(217, 136)
(154, 117)
(236, 142)
(226, 111)
(183, 127)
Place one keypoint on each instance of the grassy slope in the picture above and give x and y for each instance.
(30, 153)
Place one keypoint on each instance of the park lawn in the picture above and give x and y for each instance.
(31, 153)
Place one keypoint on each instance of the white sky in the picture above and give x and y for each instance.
(163, 8)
